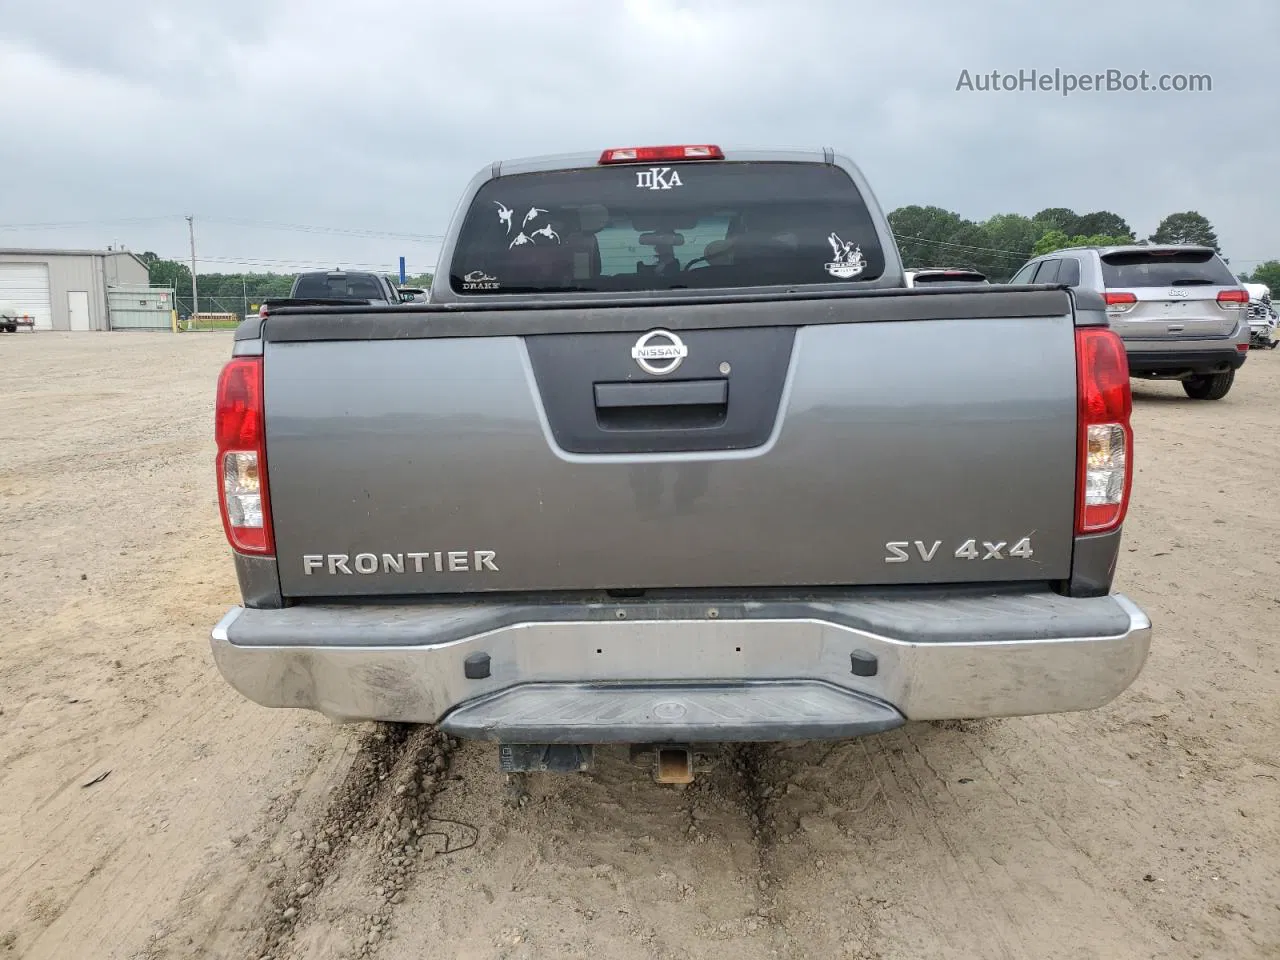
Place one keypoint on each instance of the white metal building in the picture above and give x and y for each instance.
(66, 289)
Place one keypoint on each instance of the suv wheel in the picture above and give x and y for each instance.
(1209, 386)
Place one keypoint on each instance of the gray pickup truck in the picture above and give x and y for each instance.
(671, 458)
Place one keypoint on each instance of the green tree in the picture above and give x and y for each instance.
(1012, 238)
(926, 235)
(1057, 240)
(1186, 227)
(1266, 273)
(1053, 240)
(1102, 223)
(167, 273)
(970, 247)
(1056, 218)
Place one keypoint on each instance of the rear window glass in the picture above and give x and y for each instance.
(1151, 269)
(1048, 272)
(348, 287)
(948, 279)
(684, 226)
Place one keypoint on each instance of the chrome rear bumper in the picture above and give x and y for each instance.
(688, 671)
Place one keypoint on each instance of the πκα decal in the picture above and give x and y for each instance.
(479, 280)
(848, 261)
(658, 178)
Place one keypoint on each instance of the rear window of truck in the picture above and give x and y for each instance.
(1155, 269)
(953, 278)
(680, 226)
(338, 286)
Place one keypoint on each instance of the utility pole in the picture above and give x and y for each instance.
(195, 296)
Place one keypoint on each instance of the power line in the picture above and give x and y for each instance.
(341, 231)
(965, 246)
(88, 223)
(301, 263)
(235, 221)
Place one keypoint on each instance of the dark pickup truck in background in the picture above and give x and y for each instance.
(944, 277)
(338, 287)
(673, 457)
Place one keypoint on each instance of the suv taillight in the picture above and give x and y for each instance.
(1233, 299)
(1105, 469)
(1118, 303)
(242, 457)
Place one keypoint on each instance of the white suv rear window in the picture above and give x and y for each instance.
(1165, 269)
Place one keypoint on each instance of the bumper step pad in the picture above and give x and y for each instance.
(629, 713)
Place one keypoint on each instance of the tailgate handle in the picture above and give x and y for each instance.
(682, 393)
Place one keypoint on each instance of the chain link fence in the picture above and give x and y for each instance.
(217, 313)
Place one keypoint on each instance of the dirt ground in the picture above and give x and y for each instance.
(147, 811)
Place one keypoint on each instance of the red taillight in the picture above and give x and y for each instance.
(262, 312)
(1233, 299)
(1120, 302)
(239, 429)
(1105, 469)
(705, 151)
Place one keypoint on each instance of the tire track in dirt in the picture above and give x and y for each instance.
(758, 784)
(380, 813)
(607, 863)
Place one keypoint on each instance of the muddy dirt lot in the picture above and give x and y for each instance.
(146, 811)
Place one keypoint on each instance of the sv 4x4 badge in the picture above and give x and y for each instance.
(903, 551)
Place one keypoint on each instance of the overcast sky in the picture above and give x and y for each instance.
(369, 118)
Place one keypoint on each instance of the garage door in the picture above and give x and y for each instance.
(24, 288)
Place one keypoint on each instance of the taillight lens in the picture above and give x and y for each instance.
(1233, 299)
(1118, 303)
(1106, 438)
(242, 457)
